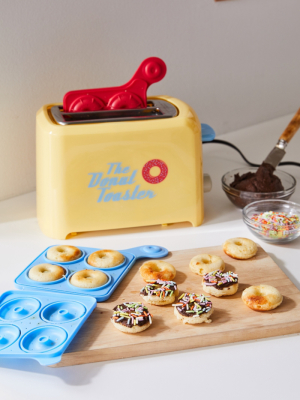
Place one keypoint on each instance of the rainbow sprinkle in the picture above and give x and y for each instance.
(193, 305)
(220, 279)
(159, 288)
(131, 314)
(276, 224)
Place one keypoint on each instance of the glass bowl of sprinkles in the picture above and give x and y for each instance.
(274, 221)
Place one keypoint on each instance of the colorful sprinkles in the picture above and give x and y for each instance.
(220, 279)
(131, 314)
(276, 224)
(193, 305)
(159, 288)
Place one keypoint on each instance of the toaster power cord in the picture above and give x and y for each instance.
(218, 141)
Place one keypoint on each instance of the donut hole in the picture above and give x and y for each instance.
(238, 243)
(60, 250)
(206, 261)
(154, 267)
(154, 171)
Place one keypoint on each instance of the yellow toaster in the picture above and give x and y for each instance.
(115, 169)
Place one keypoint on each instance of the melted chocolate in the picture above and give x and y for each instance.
(263, 181)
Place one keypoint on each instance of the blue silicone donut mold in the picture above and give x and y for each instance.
(51, 322)
(116, 274)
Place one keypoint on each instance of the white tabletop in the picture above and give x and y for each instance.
(242, 370)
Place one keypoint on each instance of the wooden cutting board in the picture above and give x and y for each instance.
(232, 321)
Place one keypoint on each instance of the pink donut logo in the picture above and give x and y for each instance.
(155, 179)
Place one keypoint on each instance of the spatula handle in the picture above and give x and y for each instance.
(292, 128)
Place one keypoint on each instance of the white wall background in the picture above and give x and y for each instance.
(235, 62)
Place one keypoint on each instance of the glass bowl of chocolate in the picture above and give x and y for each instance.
(246, 185)
(274, 221)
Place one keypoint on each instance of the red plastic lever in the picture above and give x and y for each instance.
(131, 95)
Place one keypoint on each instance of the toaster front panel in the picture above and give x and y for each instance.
(120, 174)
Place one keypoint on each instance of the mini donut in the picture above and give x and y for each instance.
(240, 248)
(262, 297)
(46, 273)
(220, 283)
(157, 269)
(131, 317)
(63, 253)
(204, 263)
(193, 308)
(88, 278)
(105, 259)
(159, 292)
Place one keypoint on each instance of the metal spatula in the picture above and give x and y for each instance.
(277, 154)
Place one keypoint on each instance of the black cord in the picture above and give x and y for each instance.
(248, 162)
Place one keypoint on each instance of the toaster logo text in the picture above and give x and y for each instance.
(111, 184)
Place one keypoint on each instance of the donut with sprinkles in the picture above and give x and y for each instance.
(131, 317)
(193, 308)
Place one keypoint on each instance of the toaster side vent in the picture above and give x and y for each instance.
(156, 109)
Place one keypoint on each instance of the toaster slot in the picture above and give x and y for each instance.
(156, 109)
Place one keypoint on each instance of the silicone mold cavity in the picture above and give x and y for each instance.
(19, 308)
(40, 340)
(8, 335)
(62, 312)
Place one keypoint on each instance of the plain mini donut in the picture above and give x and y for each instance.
(46, 272)
(157, 269)
(105, 259)
(240, 248)
(88, 278)
(262, 297)
(63, 253)
(204, 263)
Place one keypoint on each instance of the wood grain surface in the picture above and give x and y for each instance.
(232, 321)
